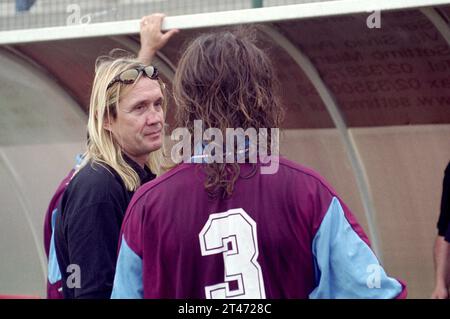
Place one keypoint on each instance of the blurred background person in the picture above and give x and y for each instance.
(24, 5)
(442, 245)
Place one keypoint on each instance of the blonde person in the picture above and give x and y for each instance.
(125, 126)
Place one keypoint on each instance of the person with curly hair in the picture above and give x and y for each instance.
(228, 224)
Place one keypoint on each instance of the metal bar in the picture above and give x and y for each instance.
(214, 19)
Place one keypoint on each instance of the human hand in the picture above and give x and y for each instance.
(440, 292)
(152, 39)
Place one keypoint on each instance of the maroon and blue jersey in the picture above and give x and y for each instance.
(54, 290)
(54, 285)
(282, 235)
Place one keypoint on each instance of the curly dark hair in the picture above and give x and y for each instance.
(226, 81)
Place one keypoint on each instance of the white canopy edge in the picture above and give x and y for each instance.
(215, 19)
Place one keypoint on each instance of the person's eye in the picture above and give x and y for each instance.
(158, 104)
(139, 108)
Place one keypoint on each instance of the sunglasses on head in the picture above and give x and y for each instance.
(129, 76)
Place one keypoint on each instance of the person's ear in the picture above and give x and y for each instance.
(107, 123)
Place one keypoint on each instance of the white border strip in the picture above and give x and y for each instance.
(214, 19)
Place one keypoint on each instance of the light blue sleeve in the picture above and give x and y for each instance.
(54, 274)
(345, 265)
(128, 278)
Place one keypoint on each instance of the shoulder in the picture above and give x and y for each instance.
(94, 183)
(447, 170)
(98, 176)
(303, 175)
(305, 187)
(179, 174)
(297, 168)
(289, 175)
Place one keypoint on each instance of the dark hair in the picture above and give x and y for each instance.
(226, 81)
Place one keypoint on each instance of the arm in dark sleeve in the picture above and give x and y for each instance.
(444, 217)
(93, 235)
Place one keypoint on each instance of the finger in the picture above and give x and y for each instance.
(145, 19)
(156, 18)
(166, 36)
(157, 14)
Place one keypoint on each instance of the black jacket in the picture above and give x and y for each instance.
(87, 229)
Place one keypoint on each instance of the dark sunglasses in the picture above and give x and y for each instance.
(129, 76)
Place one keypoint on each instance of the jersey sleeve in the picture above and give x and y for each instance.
(54, 290)
(53, 272)
(345, 265)
(128, 280)
(48, 222)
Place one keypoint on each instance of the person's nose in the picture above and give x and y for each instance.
(153, 117)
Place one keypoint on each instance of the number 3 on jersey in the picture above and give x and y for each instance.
(233, 234)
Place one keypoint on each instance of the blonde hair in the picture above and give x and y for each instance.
(102, 147)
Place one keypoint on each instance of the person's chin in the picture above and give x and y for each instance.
(154, 144)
